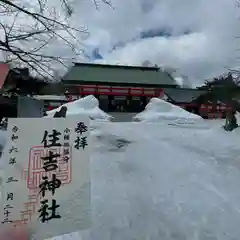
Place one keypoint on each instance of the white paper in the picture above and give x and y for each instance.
(72, 196)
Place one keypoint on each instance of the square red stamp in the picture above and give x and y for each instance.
(36, 170)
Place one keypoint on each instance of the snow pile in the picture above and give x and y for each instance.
(158, 109)
(88, 105)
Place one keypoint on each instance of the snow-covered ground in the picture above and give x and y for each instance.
(165, 183)
(155, 181)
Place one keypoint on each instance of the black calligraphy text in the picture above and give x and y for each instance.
(50, 161)
(51, 140)
(51, 185)
(47, 213)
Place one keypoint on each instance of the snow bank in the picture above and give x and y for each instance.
(167, 183)
(158, 109)
(88, 106)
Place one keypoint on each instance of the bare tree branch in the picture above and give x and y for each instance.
(28, 31)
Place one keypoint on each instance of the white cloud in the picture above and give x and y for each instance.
(205, 53)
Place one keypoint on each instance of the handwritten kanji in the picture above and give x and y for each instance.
(81, 128)
(7, 213)
(49, 185)
(15, 129)
(13, 149)
(50, 161)
(9, 196)
(12, 160)
(51, 140)
(11, 179)
(80, 142)
(44, 210)
(14, 137)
